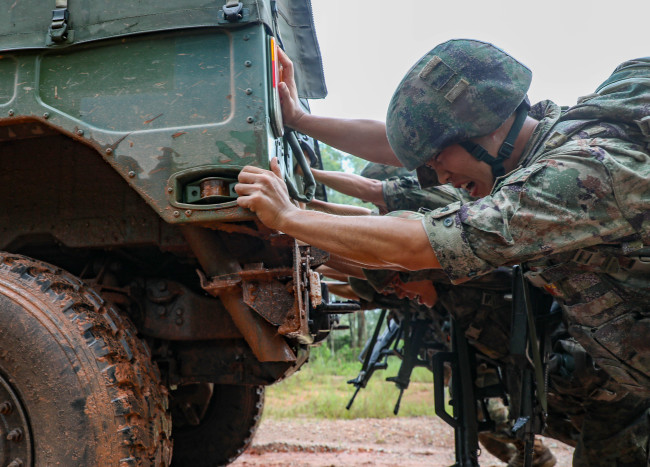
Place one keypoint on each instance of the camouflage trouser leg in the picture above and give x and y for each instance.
(608, 425)
(614, 434)
(499, 442)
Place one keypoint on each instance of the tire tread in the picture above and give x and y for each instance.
(132, 380)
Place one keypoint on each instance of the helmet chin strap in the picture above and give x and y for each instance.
(496, 163)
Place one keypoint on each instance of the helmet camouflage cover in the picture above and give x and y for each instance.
(460, 90)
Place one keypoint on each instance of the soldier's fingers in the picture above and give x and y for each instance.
(254, 175)
(246, 202)
(245, 189)
(286, 63)
(285, 94)
(253, 169)
(275, 167)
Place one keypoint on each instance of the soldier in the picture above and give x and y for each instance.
(584, 401)
(481, 309)
(389, 188)
(565, 192)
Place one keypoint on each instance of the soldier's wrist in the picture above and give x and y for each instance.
(286, 219)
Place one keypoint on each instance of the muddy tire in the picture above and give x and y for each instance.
(225, 431)
(79, 385)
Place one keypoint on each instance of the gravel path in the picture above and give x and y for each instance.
(403, 442)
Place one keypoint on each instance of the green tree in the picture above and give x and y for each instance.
(340, 161)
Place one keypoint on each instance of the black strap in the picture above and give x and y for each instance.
(508, 145)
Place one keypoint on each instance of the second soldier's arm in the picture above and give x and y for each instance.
(366, 189)
(338, 209)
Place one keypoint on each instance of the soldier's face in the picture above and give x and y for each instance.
(456, 166)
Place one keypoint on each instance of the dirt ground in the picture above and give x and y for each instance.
(399, 442)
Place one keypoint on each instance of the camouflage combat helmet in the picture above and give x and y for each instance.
(381, 279)
(461, 89)
(382, 172)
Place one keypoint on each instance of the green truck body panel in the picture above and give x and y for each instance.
(168, 95)
(164, 110)
(121, 140)
(27, 23)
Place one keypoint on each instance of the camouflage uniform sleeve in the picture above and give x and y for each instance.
(395, 191)
(455, 254)
(561, 203)
(404, 193)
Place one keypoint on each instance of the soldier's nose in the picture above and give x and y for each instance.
(443, 175)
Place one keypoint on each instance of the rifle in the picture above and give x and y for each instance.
(463, 418)
(529, 405)
(376, 349)
(413, 335)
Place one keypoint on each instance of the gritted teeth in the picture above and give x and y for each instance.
(466, 186)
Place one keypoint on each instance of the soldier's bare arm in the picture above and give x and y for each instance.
(336, 263)
(363, 138)
(375, 241)
(338, 209)
(366, 189)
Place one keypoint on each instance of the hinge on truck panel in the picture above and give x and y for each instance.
(233, 11)
(59, 31)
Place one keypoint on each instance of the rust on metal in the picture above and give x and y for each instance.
(270, 299)
(296, 325)
(214, 187)
(146, 122)
(237, 228)
(261, 336)
(215, 285)
(315, 292)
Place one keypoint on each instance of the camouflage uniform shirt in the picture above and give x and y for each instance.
(576, 212)
(404, 193)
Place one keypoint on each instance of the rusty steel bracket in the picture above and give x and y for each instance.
(251, 273)
(315, 289)
(216, 260)
(282, 296)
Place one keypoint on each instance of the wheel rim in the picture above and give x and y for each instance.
(15, 434)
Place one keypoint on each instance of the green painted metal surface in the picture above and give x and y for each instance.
(164, 109)
(25, 23)
(7, 79)
(168, 94)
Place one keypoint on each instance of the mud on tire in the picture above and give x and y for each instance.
(74, 366)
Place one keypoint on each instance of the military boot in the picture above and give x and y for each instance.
(495, 445)
(542, 455)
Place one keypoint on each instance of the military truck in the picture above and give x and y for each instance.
(142, 312)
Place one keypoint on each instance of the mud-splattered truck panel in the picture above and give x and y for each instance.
(175, 96)
(135, 295)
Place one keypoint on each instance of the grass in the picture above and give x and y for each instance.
(319, 390)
